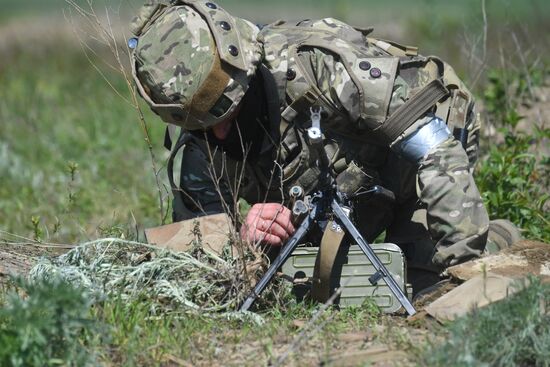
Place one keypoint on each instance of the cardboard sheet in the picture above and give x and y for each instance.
(215, 231)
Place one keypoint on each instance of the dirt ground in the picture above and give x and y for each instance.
(17, 259)
(388, 342)
(377, 346)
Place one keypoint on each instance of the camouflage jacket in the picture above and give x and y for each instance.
(359, 82)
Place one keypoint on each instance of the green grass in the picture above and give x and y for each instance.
(72, 154)
(48, 327)
(513, 176)
(512, 184)
(56, 324)
(368, 7)
(429, 18)
(511, 333)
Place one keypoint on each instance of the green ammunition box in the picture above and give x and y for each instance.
(352, 272)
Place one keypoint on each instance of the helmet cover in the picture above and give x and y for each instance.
(193, 62)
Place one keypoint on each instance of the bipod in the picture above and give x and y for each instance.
(323, 205)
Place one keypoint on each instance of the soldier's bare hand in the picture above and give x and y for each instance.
(268, 223)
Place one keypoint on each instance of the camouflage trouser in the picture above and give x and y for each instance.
(438, 218)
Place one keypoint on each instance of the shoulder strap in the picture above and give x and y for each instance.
(412, 110)
(394, 48)
(180, 211)
(324, 264)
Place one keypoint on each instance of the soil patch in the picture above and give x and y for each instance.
(17, 259)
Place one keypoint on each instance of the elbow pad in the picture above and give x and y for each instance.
(415, 145)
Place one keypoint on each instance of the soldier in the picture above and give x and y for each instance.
(242, 96)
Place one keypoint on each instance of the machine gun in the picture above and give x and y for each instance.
(328, 204)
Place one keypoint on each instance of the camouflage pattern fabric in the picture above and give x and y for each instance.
(358, 83)
(189, 53)
(172, 79)
(456, 217)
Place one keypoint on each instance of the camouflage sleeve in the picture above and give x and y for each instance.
(457, 219)
(199, 193)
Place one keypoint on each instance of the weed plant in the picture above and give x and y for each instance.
(51, 323)
(46, 324)
(513, 176)
(510, 180)
(73, 163)
(511, 333)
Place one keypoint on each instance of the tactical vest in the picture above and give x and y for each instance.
(385, 74)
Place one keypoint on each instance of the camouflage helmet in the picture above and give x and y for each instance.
(192, 61)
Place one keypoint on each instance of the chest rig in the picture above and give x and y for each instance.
(392, 87)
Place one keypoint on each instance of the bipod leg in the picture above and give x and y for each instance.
(283, 256)
(381, 271)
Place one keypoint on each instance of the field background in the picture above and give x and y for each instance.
(75, 166)
(73, 161)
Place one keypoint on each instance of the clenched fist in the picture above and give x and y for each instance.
(268, 224)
